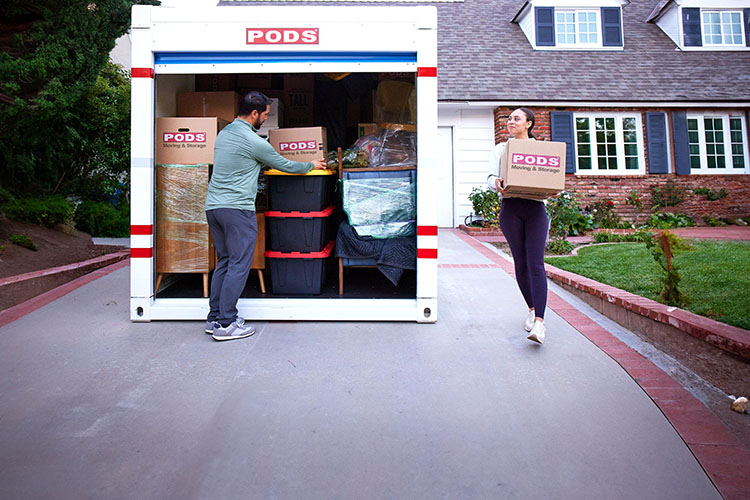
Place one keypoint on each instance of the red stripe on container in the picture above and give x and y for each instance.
(142, 230)
(299, 255)
(323, 213)
(427, 231)
(141, 253)
(432, 71)
(427, 253)
(142, 72)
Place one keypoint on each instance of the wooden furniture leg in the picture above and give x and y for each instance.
(159, 277)
(262, 283)
(341, 276)
(205, 284)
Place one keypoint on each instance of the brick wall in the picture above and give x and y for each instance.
(591, 188)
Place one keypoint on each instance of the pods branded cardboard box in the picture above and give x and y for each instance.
(533, 169)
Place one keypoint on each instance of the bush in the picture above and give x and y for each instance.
(667, 220)
(47, 212)
(663, 248)
(560, 247)
(712, 195)
(486, 204)
(610, 237)
(102, 219)
(713, 221)
(22, 240)
(668, 195)
(565, 216)
(604, 214)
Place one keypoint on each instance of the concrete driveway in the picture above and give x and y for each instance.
(94, 406)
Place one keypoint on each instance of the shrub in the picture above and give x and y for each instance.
(486, 204)
(47, 212)
(712, 195)
(664, 247)
(669, 195)
(604, 214)
(560, 247)
(22, 240)
(667, 220)
(610, 237)
(635, 200)
(713, 221)
(5, 196)
(102, 219)
(565, 216)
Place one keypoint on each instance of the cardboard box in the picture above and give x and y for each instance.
(364, 129)
(215, 83)
(220, 104)
(255, 81)
(275, 118)
(298, 109)
(533, 169)
(300, 144)
(299, 82)
(186, 141)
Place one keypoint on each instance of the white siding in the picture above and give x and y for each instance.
(473, 138)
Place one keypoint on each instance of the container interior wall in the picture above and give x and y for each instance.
(348, 105)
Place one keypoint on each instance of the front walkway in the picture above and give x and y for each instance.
(93, 405)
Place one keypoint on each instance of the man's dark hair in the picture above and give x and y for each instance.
(253, 101)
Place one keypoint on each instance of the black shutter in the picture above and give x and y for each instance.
(746, 14)
(691, 27)
(561, 130)
(656, 142)
(545, 26)
(611, 27)
(681, 143)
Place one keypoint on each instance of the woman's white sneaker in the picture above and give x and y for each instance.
(529, 323)
(537, 332)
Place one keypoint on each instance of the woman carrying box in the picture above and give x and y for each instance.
(525, 224)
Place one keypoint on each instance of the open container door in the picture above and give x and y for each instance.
(190, 41)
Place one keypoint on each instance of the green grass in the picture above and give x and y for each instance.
(715, 276)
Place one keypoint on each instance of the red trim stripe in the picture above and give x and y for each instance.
(143, 230)
(427, 253)
(427, 231)
(141, 253)
(141, 72)
(429, 71)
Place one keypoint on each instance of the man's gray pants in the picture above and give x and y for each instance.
(234, 232)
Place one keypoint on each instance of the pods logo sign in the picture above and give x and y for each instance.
(281, 36)
(298, 146)
(535, 160)
(184, 137)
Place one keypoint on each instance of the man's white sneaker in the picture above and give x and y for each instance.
(529, 323)
(210, 325)
(237, 330)
(537, 332)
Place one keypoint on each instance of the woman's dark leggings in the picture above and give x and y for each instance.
(525, 224)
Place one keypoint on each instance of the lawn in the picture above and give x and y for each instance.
(715, 276)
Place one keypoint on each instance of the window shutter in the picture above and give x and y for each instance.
(691, 27)
(656, 142)
(545, 26)
(611, 27)
(746, 14)
(561, 125)
(681, 144)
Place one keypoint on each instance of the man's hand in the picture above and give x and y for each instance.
(319, 164)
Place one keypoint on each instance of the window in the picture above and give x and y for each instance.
(608, 143)
(722, 28)
(718, 144)
(577, 27)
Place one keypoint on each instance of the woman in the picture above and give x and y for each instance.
(524, 223)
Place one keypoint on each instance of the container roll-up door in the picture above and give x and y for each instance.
(284, 61)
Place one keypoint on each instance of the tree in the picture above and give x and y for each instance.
(51, 55)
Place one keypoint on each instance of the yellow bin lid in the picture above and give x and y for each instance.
(273, 171)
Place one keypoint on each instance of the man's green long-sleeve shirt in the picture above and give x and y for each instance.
(239, 156)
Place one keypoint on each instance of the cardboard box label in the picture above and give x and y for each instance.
(187, 137)
(299, 144)
(534, 169)
(186, 141)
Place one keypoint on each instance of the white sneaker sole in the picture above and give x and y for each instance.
(534, 338)
(232, 337)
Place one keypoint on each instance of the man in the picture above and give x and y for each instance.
(239, 155)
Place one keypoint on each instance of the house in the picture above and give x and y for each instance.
(643, 92)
